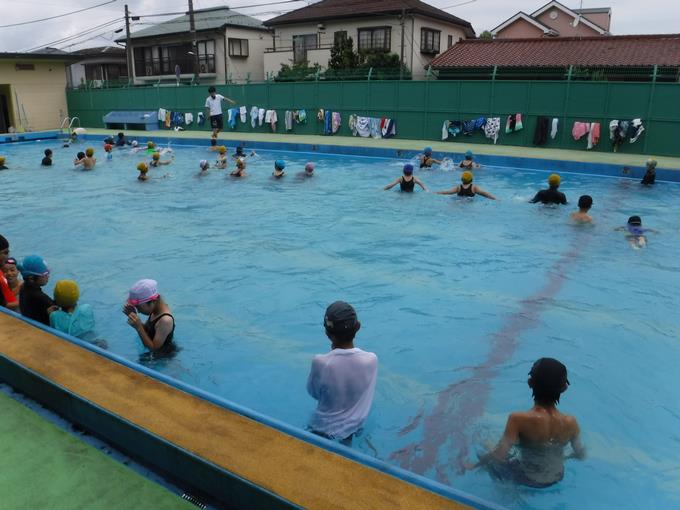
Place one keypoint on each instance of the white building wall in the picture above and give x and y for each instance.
(419, 61)
(241, 69)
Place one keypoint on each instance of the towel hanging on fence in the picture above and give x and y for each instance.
(637, 129)
(541, 133)
(593, 134)
(188, 118)
(352, 124)
(388, 128)
(364, 126)
(253, 116)
(233, 116)
(327, 122)
(579, 130)
(336, 122)
(375, 128)
(300, 116)
(288, 120)
(161, 115)
(492, 128)
(445, 129)
(555, 125)
(201, 118)
(271, 118)
(260, 116)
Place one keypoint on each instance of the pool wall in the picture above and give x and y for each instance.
(218, 450)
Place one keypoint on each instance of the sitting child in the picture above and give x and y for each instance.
(143, 169)
(47, 160)
(12, 274)
(34, 303)
(71, 318)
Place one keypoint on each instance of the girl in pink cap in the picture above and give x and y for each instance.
(157, 332)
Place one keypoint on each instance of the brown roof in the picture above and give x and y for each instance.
(603, 51)
(338, 9)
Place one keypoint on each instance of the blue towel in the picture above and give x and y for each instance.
(233, 115)
(455, 127)
(328, 122)
(468, 127)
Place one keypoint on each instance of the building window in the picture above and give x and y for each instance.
(377, 38)
(449, 42)
(339, 37)
(159, 60)
(301, 44)
(238, 47)
(429, 40)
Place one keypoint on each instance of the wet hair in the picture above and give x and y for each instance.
(548, 379)
(121, 135)
(635, 220)
(81, 155)
(585, 202)
(48, 152)
(211, 90)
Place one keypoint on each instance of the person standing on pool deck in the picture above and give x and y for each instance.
(541, 433)
(585, 202)
(7, 297)
(157, 332)
(466, 188)
(213, 104)
(407, 182)
(650, 175)
(343, 380)
(550, 195)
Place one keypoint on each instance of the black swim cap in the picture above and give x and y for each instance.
(81, 155)
(4, 243)
(585, 201)
(548, 379)
(634, 220)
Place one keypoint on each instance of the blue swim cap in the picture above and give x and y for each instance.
(408, 169)
(427, 151)
(280, 164)
(33, 265)
(468, 154)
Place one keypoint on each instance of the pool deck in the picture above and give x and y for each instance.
(42, 466)
(403, 144)
(293, 470)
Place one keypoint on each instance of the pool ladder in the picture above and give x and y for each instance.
(66, 131)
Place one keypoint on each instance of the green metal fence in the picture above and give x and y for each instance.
(420, 107)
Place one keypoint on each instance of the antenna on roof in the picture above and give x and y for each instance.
(577, 19)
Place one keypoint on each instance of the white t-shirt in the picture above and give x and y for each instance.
(343, 381)
(215, 104)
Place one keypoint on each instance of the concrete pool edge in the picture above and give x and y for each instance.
(15, 364)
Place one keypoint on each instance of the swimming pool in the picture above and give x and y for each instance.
(457, 298)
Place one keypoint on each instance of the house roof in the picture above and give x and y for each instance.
(113, 51)
(524, 16)
(341, 9)
(204, 19)
(609, 51)
(573, 14)
(39, 55)
(594, 10)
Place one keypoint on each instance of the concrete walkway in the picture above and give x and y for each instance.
(348, 141)
(41, 466)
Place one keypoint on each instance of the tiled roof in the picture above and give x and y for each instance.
(338, 9)
(204, 19)
(605, 51)
(101, 50)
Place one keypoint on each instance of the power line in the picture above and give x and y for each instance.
(75, 36)
(267, 4)
(58, 16)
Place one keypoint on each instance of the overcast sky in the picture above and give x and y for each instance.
(628, 17)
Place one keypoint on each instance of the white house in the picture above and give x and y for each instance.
(230, 48)
(412, 29)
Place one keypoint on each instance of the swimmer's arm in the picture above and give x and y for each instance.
(579, 450)
(536, 198)
(392, 184)
(486, 194)
(619, 229)
(420, 183)
(509, 439)
(312, 388)
(451, 191)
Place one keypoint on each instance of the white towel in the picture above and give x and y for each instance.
(445, 130)
(260, 115)
(555, 124)
(253, 116)
(364, 126)
(269, 115)
(188, 118)
(639, 128)
(613, 126)
(161, 115)
(243, 114)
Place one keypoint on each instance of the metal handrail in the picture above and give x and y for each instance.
(70, 125)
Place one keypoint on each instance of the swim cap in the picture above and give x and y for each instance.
(466, 177)
(108, 147)
(89, 152)
(554, 180)
(309, 167)
(408, 169)
(150, 145)
(340, 317)
(11, 261)
(279, 164)
(651, 162)
(223, 149)
(33, 265)
(548, 379)
(4, 243)
(468, 154)
(635, 220)
(585, 201)
(213, 142)
(80, 155)
(203, 164)
(48, 152)
(427, 151)
(156, 156)
(143, 291)
(66, 293)
(143, 167)
(134, 143)
(2, 160)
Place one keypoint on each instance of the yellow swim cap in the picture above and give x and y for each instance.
(89, 152)
(223, 149)
(2, 160)
(66, 293)
(150, 145)
(156, 156)
(466, 177)
(554, 180)
(142, 167)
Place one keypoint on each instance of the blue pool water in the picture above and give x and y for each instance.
(457, 298)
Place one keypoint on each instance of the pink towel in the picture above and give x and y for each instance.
(579, 130)
(593, 134)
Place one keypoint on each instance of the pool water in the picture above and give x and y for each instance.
(456, 297)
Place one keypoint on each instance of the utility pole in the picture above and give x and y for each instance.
(401, 61)
(194, 45)
(128, 45)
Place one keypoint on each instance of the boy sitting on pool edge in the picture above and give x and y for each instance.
(541, 433)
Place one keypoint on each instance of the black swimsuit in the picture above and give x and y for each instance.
(407, 186)
(150, 328)
(465, 192)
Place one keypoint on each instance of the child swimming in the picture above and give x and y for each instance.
(308, 171)
(2, 163)
(585, 202)
(221, 162)
(408, 181)
(108, 148)
(279, 166)
(143, 169)
(466, 188)
(47, 160)
(650, 173)
(468, 162)
(426, 159)
(203, 166)
(88, 161)
(240, 169)
(157, 161)
(635, 233)
(71, 318)
(157, 332)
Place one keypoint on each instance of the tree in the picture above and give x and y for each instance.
(301, 71)
(343, 56)
(486, 35)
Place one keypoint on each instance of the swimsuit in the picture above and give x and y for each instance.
(465, 192)
(407, 186)
(150, 328)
